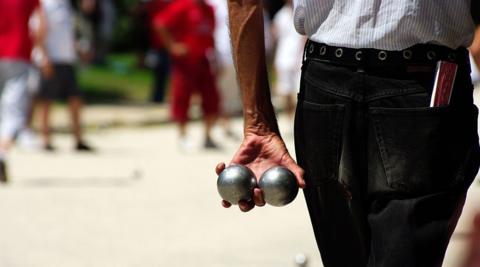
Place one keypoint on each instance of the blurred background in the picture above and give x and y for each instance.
(112, 159)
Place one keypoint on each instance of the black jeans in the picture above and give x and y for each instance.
(386, 175)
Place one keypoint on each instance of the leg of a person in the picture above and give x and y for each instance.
(181, 93)
(45, 120)
(210, 96)
(75, 104)
(69, 88)
(421, 161)
(15, 100)
(4, 70)
(161, 72)
(327, 131)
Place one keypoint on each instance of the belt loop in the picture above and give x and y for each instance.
(308, 44)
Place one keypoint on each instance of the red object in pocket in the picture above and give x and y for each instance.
(443, 86)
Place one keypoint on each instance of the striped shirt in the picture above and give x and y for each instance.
(385, 24)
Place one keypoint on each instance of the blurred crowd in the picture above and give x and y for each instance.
(185, 43)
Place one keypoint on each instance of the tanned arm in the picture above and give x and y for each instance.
(262, 147)
(173, 47)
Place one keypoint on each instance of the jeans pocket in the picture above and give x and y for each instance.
(423, 149)
(320, 128)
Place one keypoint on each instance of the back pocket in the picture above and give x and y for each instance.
(321, 131)
(423, 149)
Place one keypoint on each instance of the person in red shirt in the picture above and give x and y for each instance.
(16, 43)
(186, 28)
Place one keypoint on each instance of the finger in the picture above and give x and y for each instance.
(219, 168)
(246, 206)
(258, 197)
(226, 204)
(298, 172)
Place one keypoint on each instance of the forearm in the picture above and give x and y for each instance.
(40, 35)
(165, 36)
(247, 34)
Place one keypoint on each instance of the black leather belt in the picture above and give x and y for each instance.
(422, 54)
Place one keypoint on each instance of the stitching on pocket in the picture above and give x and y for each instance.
(333, 135)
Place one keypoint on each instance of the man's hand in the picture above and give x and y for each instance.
(47, 69)
(260, 153)
(178, 49)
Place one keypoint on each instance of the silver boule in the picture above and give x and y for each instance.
(279, 186)
(236, 183)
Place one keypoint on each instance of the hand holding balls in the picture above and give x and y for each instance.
(237, 183)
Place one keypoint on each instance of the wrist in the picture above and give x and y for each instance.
(260, 122)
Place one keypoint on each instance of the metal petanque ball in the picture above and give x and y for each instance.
(236, 183)
(279, 186)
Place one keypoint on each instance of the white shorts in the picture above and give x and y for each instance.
(288, 81)
(15, 98)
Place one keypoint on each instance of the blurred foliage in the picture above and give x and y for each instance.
(119, 81)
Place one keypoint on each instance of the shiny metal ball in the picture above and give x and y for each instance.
(236, 183)
(279, 186)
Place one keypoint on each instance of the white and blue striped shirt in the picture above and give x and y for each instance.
(385, 24)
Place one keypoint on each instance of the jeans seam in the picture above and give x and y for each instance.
(389, 93)
(382, 149)
(339, 120)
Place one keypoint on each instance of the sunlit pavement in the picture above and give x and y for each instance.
(139, 201)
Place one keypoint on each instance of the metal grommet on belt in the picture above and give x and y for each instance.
(323, 50)
(382, 55)
(431, 55)
(452, 56)
(358, 55)
(311, 47)
(339, 52)
(407, 54)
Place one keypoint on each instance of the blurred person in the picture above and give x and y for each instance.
(186, 29)
(108, 15)
(15, 49)
(161, 69)
(27, 138)
(101, 16)
(61, 82)
(225, 70)
(288, 56)
(385, 175)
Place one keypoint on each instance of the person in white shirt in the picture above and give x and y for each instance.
(384, 173)
(61, 83)
(288, 56)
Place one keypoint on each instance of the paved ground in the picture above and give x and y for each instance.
(140, 202)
